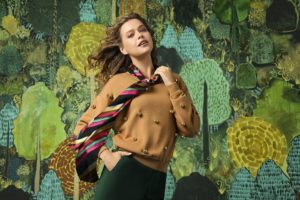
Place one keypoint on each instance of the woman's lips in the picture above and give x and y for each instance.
(142, 43)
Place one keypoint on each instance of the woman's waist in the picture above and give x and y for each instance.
(152, 163)
(153, 149)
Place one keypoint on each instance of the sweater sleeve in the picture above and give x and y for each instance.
(186, 115)
(85, 163)
(97, 105)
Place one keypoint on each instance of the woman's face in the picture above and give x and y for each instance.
(136, 39)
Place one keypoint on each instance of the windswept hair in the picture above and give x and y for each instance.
(108, 57)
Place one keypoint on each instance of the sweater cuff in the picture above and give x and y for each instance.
(174, 90)
(173, 87)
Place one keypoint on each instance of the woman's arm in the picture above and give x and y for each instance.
(186, 115)
(103, 99)
(97, 106)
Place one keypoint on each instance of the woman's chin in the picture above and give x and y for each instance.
(143, 53)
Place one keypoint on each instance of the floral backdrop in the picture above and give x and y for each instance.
(240, 61)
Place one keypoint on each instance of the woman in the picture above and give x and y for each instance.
(146, 123)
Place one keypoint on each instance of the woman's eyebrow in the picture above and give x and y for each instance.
(138, 28)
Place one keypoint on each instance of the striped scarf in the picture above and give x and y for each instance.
(93, 136)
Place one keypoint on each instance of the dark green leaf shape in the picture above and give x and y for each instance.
(10, 61)
(206, 156)
(217, 29)
(78, 99)
(280, 106)
(11, 192)
(168, 53)
(169, 57)
(282, 16)
(41, 14)
(194, 186)
(103, 9)
(224, 10)
(3, 8)
(13, 165)
(235, 32)
(245, 76)
(185, 11)
(261, 47)
(13, 85)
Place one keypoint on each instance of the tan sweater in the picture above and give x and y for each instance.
(153, 120)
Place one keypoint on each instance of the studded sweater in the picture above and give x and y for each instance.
(149, 126)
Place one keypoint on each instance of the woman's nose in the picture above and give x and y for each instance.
(140, 35)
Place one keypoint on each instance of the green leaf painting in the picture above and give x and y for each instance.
(41, 12)
(190, 46)
(170, 184)
(169, 39)
(103, 10)
(3, 9)
(87, 12)
(293, 161)
(239, 60)
(194, 75)
(280, 106)
(282, 16)
(10, 60)
(273, 182)
(244, 187)
(51, 187)
(246, 76)
(12, 86)
(224, 9)
(39, 115)
(217, 29)
(261, 48)
(7, 115)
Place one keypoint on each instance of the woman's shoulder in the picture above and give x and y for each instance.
(179, 80)
(177, 77)
(119, 82)
(123, 76)
(121, 79)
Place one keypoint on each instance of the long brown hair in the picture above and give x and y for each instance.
(109, 57)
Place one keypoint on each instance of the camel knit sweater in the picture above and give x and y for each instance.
(149, 126)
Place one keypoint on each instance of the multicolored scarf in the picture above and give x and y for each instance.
(93, 136)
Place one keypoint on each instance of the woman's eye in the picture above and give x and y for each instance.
(130, 35)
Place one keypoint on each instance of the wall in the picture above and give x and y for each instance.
(239, 60)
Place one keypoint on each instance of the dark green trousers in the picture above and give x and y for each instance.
(130, 180)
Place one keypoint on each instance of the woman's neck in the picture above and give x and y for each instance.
(145, 66)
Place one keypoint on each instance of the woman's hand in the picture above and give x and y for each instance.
(111, 159)
(166, 74)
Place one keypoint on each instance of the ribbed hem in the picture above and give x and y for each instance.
(151, 163)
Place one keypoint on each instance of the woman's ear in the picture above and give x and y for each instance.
(123, 51)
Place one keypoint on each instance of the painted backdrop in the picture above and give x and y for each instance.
(239, 58)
